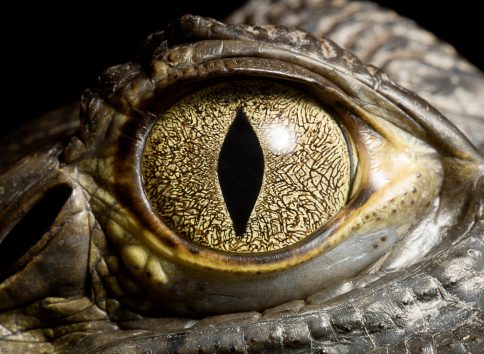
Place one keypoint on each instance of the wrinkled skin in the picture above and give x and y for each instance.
(54, 297)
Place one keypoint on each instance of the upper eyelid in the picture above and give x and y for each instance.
(321, 56)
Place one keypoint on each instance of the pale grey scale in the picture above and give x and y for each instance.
(412, 57)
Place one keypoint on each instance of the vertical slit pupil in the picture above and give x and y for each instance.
(240, 171)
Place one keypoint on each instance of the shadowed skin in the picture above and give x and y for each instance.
(68, 292)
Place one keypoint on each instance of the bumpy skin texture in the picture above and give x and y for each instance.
(53, 299)
(435, 306)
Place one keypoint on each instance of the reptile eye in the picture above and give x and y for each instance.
(237, 168)
(246, 167)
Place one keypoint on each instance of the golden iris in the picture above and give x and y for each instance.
(247, 166)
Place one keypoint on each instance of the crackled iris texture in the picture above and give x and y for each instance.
(246, 166)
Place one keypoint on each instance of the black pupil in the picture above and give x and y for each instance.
(240, 171)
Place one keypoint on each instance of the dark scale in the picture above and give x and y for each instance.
(240, 171)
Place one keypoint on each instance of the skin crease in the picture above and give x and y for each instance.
(463, 336)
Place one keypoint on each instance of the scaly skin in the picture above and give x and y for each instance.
(61, 296)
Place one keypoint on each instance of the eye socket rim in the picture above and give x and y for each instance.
(330, 70)
(178, 248)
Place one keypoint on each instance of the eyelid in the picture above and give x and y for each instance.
(319, 56)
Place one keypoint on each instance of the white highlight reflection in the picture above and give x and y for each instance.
(281, 139)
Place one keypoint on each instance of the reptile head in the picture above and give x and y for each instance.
(235, 169)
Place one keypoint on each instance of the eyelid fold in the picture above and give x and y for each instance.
(118, 115)
(320, 56)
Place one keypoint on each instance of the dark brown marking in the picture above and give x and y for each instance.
(168, 243)
(194, 251)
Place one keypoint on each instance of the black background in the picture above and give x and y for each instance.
(52, 52)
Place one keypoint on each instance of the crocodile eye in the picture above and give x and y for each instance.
(236, 168)
(246, 166)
